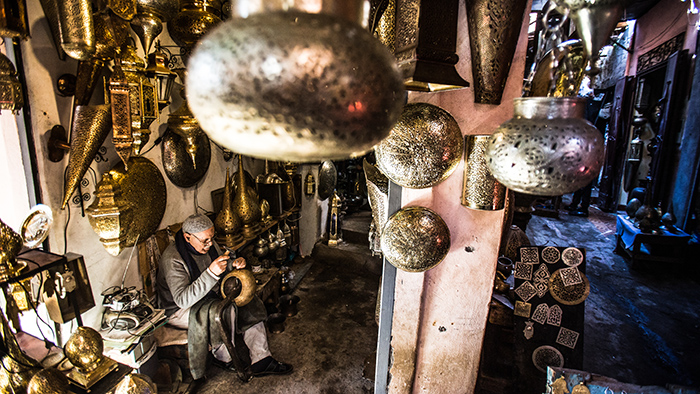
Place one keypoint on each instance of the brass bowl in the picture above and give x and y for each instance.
(423, 149)
(84, 349)
(239, 284)
(415, 239)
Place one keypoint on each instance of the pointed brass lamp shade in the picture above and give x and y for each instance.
(149, 19)
(245, 206)
(91, 125)
(426, 44)
(307, 83)
(50, 8)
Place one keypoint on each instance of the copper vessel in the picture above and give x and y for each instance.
(480, 190)
(423, 149)
(245, 206)
(415, 239)
(91, 125)
(77, 28)
(227, 223)
(144, 187)
(282, 81)
(547, 149)
(110, 215)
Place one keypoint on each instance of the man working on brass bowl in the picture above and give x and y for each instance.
(188, 286)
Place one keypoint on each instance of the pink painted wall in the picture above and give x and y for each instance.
(440, 315)
(666, 20)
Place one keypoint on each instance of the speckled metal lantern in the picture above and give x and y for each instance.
(110, 215)
(306, 84)
(423, 149)
(195, 19)
(84, 349)
(77, 29)
(143, 96)
(415, 239)
(149, 19)
(547, 148)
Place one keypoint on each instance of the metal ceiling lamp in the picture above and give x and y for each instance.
(426, 44)
(149, 19)
(302, 81)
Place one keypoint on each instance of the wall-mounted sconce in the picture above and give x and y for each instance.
(58, 143)
(426, 44)
(10, 88)
(163, 75)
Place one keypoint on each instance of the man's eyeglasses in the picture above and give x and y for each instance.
(205, 242)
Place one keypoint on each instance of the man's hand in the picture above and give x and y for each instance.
(238, 263)
(218, 266)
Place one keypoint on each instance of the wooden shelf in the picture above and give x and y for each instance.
(264, 227)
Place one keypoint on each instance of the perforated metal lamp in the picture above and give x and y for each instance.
(163, 75)
(426, 44)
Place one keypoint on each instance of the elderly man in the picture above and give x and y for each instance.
(188, 277)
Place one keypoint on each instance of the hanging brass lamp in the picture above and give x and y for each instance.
(77, 29)
(149, 19)
(110, 215)
(245, 206)
(183, 122)
(195, 19)
(165, 78)
(177, 162)
(227, 223)
(10, 245)
(296, 80)
(11, 96)
(142, 92)
(426, 44)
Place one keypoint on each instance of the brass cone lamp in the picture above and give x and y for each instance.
(91, 125)
(480, 190)
(10, 245)
(282, 81)
(426, 44)
(11, 96)
(50, 8)
(494, 29)
(149, 19)
(423, 149)
(227, 223)
(77, 28)
(17, 368)
(595, 21)
(186, 125)
(87, 78)
(110, 215)
(245, 206)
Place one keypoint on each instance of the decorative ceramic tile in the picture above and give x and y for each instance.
(554, 316)
(530, 255)
(567, 337)
(540, 314)
(526, 291)
(570, 276)
(550, 254)
(522, 309)
(523, 271)
(572, 257)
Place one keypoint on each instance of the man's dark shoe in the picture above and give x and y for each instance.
(195, 386)
(579, 212)
(270, 366)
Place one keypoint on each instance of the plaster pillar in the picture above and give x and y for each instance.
(440, 315)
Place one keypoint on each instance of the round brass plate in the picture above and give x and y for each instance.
(545, 356)
(568, 295)
(144, 187)
(35, 227)
(240, 284)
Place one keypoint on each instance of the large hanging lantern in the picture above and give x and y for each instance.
(423, 149)
(143, 96)
(547, 148)
(149, 19)
(110, 215)
(195, 19)
(304, 83)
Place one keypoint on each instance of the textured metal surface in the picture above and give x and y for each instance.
(568, 295)
(378, 194)
(144, 187)
(84, 349)
(415, 239)
(239, 284)
(566, 85)
(91, 125)
(547, 148)
(125, 9)
(292, 86)
(120, 101)
(149, 19)
(110, 33)
(10, 245)
(142, 95)
(183, 123)
(77, 28)
(13, 19)
(480, 190)
(163, 9)
(17, 368)
(244, 205)
(49, 380)
(350, 10)
(50, 8)
(545, 356)
(494, 28)
(11, 96)
(135, 383)
(89, 75)
(110, 215)
(423, 149)
(386, 26)
(177, 162)
(327, 179)
(227, 223)
(195, 19)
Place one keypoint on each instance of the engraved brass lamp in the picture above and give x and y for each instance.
(142, 93)
(149, 19)
(10, 245)
(163, 75)
(10, 88)
(110, 215)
